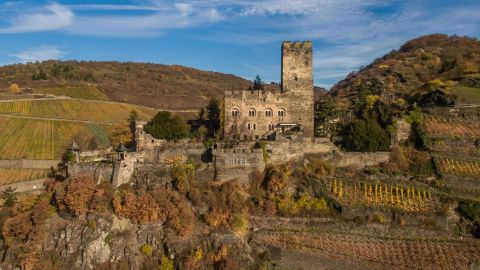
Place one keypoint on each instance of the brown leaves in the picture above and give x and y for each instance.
(160, 205)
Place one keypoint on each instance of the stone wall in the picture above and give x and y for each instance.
(238, 164)
(29, 164)
(99, 171)
(360, 160)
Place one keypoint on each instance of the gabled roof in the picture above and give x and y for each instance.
(74, 146)
(121, 148)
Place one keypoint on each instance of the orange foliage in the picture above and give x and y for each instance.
(160, 205)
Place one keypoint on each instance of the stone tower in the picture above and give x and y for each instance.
(297, 83)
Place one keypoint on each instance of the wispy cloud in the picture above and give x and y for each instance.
(41, 53)
(51, 17)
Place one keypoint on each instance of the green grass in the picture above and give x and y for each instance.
(467, 94)
(82, 92)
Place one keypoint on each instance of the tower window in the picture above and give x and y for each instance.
(281, 113)
(252, 112)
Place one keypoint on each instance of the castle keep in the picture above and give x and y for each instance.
(261, 114)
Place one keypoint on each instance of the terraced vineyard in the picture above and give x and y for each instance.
(10, 176)
(376, 253)
(22, 138)
(445, 127)
(404, 198)
(453, 166)
(98, 111)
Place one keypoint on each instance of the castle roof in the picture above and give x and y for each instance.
(121, 148)
(74, 146)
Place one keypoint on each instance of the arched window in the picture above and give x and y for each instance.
(268, 112)
(235, 112)
(252, 112)
(282, 112)
(271, 126)
(252, 126)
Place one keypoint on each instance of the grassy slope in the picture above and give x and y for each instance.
(468, 95)
(81, 92)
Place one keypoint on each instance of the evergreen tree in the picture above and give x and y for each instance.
(168, 127)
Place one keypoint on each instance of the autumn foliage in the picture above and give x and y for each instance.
(82, 195)
(160, 205)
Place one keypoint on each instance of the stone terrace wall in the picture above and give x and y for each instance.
(29, 164)
(360, 160)
(281, 152)
(100, 172)
(170, 150)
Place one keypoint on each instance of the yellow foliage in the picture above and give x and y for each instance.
(121, 134)
(147, 249)
(371, 100)
(436, 83)
(383, 66)
(14, 88)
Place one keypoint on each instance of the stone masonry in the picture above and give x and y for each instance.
(255, 114)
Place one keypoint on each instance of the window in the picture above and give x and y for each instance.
(251, 126)
(271, 126)
(248, 126)
(281, 112)
(254, 126)
(235, 113)
(269, 113)
(252, 112)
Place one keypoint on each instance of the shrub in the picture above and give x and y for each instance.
(9, 197)
(166, 264)
(147, 250)
(365, 136)
(469, 209)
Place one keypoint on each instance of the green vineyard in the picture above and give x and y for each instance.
(362, 193)
(22, 138)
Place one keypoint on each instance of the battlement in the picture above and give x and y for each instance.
(297, 45)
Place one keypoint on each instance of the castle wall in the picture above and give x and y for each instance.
(270, 109)
(237, 164)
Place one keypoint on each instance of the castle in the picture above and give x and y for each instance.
(261, 114)
(283, 119)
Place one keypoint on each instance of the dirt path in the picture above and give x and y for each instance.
(26, 186)
(56, 119)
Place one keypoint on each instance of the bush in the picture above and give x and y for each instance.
(365, 136)
(166, 264)
(147, 250)
(168, 127)
(77, 195)
(469, 209)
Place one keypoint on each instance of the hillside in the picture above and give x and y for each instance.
(152, 85)
(435, 62)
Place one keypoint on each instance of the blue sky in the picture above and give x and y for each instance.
(242, 37)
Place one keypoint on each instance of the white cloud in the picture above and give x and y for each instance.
(51, 17)
(42, 53)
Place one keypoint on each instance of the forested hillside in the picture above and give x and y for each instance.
(446, 64)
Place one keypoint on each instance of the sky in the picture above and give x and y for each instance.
(240, 37)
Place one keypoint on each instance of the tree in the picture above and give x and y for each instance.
(214, 114)
(258, 83)
(365, 136)
(8, 196)
(14, 88)
(201, 114)
(168, 127)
